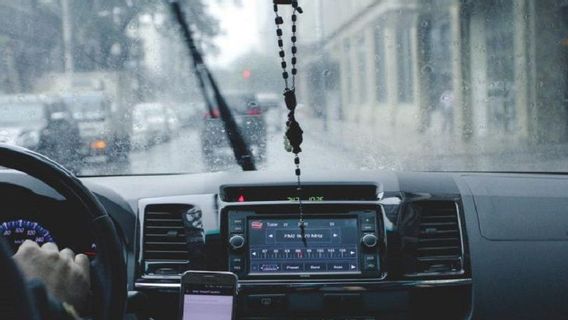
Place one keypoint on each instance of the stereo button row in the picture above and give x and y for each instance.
(294, 267)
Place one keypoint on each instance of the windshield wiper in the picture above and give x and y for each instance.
(240, 148)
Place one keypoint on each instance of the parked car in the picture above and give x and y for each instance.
(101, 139)
(250, 118)
(275, 109)
(149, 125)
(188, 113)
(42, 124)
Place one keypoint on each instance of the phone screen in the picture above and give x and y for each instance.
(208, 302)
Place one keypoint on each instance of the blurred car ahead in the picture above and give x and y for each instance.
(189, 114)
(42, 124)
(101, 138)
(250, 118)
(151, 124)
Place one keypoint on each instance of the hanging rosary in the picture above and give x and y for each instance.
(293, 136)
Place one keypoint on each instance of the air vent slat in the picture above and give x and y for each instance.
(164, 233)
(182, 243)
(437, 224)
(439, 247)
(164, 220)
(437, 258)
(438, 240)
(165, 227)
(180, 252)
(440, 217)
(172, 235)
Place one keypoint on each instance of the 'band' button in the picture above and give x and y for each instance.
(315, 267)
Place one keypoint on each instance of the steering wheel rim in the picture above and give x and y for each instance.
(108, 282)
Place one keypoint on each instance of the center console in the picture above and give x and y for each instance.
(363, 253)
(267, 243)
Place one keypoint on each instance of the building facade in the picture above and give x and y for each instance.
(472, 69)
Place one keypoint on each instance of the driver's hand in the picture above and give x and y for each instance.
(65, 274)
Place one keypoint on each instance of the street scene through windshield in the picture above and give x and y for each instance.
(109, 87)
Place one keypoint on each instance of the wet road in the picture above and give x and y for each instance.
(183, 154)
(335, 147)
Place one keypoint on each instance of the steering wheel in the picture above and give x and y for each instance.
(108, 269)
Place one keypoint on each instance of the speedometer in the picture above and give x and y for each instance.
(17, 231)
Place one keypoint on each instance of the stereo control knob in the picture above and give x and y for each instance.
(369, 240)
(237, 241)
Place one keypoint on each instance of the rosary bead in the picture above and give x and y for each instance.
(279, 20)
(294, 71)
(297, 160)
(280, 43)
(291, 103)
(294, 28)
(294, 60)
(294, 134)
(293, 38)
(294, 18)
(282, 53)
(298, 172)
(294, 49)
(285, 75)
(279, 32)
(283, 64)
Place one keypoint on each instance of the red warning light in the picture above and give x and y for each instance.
(241, 198)
(246, 74)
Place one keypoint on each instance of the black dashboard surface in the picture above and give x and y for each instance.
(515, 224)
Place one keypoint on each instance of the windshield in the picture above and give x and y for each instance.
(476, 85)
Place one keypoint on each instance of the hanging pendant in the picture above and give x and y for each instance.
(290, 99)
(287, 145)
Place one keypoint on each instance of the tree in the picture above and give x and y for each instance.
(101, 40)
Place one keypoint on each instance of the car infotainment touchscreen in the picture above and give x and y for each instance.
(330, 245)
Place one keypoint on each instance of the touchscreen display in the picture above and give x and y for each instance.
(207, 302)
(329, 246)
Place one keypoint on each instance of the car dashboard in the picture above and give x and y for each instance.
(375, 245)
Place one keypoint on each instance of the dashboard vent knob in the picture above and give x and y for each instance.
(369, 240)
(237, 242)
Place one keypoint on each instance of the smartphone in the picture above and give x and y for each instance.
(208, 295)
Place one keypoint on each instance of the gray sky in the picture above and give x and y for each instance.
(240, 25)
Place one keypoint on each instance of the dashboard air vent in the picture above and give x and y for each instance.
(439, 248)
(164, 237)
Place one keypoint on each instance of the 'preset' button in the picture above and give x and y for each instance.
(293, 267)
